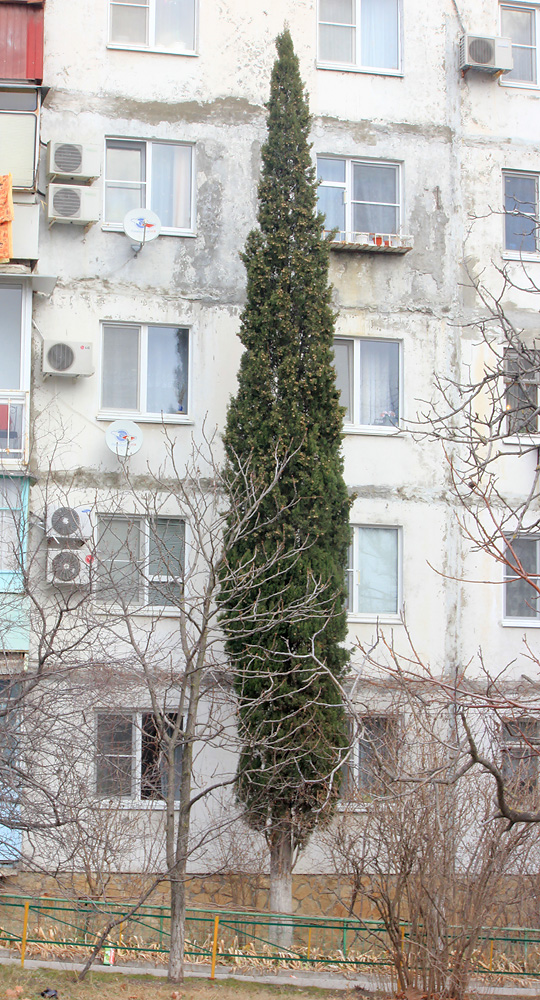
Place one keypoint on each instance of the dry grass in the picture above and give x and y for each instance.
(18, 984)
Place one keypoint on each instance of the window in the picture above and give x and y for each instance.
(14, 370)
(11, 542)
(140, 561)
(520, 747)
(359, 196)
(131, 759)
(522, 375)
(521, 213)
(155, 175)
(145, 370)
(367, 377)
(373, 573)
(10, 838)
(360, 34)
(522, 578)
(19, 112)
(520, 23)
(168, 25)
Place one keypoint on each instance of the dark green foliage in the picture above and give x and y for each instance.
(283, 591)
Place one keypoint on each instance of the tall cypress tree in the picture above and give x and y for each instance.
(285, 622)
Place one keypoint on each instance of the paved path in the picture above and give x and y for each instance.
(365, 985)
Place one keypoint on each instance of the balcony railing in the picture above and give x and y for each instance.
(13, 427)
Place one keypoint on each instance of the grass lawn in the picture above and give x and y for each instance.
(19, 984)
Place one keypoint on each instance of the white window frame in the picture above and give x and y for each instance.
(143, 415)
(347, 187)
(151, 46)
(356, 66)
(19, 396)
(116, 227)
(528, 255)
(354, 426)
(134, 798)
(519, 746)
(523, 84)
(141, 606)
(16, 87)
(508, 575)
(520, 434)
(353, 786)
(353, 577)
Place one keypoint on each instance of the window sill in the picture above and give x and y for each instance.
(372, 430)
(521, 443)
(353, 618)
(135, 610)
(146, 418)
(147, 48)
(370, 70)
(520, 622)
(532, 258)
(352, 806)
(519, 84)
(116, 227)
(141, 804)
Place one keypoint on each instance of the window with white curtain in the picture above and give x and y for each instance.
(154, 175)
(360, 34)
(145, 370)
(368, 380)
(165, 25)
(373, 573)
(11, 541)
(140, 561)
(521, 23)
(19, 119)
(359, 196)
(15, 310)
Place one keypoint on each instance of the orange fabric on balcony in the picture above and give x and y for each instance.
(6, 218)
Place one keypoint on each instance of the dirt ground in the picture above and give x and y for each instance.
(18, 984)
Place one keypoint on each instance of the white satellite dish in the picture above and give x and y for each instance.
(123, 438)
(142, 226)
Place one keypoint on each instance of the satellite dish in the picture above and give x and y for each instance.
(123, 438)
(142, 225)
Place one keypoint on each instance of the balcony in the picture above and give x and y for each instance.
(13, 428)
(372, 243)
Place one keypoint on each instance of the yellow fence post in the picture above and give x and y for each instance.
(491, 956)
(24, 932)
(214, 947)
(308, 943)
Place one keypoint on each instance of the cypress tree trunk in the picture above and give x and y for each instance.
(281, 884)
(283, 575)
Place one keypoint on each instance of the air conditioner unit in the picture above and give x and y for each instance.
(67, 357)
(489, 54)
(71, 161)
(69, 567)
(65, 524)
(70, 203)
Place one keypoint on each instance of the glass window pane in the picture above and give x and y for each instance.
(524, 65)
(175, 24)
(119, 200)
(10, 336)
(331, 203)
(18, 147)
(336, 44)
(120, 368)
(375, 219)
(129, 24)
(374, 182)
(10, 521)
(125, 162)
(520, 193)
(329, 169)
(119, 559)
(377, 570)
(379, 34)
(171, 184)
(343, 360)
(379, 383)
(166, 561)
(520, 205)
(518, 25)
(337, 11)
(154, 767)
(168, 369)
(522, 599)
(114, 755)
(18, 100)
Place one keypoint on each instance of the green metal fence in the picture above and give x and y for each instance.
(67, 929)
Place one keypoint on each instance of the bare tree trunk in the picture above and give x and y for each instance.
(281, 885)
(178, 929)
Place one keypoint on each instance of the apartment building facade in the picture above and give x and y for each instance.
(159, 105)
